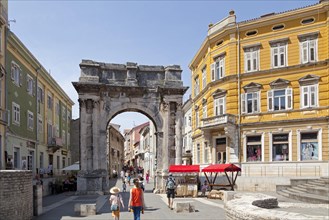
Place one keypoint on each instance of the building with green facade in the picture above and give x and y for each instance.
(38, 134)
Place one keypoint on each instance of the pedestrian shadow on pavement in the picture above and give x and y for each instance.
(151, 209)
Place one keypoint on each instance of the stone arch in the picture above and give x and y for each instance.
(106, 90)
(127, 107)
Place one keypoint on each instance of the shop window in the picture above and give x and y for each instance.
(254, 148)
(309, 146)
(221, 150)
(280, 147)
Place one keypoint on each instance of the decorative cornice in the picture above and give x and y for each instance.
(279, 83)
(309, 79)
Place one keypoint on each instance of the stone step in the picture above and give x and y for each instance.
(315, 184)
(283, 193)
(305, 197)
(322, 191)
(295, 191)
(319, 181)
(299, 188)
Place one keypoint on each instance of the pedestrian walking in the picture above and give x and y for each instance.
(204, 188)
(136, 200)
(128, 178)
(124, 186)
(147, 176)
(170, 190)
(115, 201)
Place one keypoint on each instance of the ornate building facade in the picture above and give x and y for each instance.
(260, 93)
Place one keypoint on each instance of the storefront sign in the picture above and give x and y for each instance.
(220, 141)
(280, 137)
(64, 152)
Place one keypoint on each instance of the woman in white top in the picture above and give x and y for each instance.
(115, 200)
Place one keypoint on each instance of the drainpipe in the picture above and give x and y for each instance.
(37, 118)
(239, 95)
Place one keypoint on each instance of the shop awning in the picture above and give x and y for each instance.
(221, 168)
(184, 168)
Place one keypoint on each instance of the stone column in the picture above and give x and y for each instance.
(178, 132)
(83, 135)
(164, 155)
(95, 136)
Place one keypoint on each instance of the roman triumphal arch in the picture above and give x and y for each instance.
(107, 89)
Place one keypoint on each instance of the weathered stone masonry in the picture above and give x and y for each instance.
(16, 195)
(106, 90)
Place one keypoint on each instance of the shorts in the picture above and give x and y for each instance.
(116, 213)
(170, 193)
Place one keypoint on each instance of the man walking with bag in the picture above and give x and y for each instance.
(170, 189)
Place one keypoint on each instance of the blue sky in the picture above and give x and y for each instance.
(62, 33)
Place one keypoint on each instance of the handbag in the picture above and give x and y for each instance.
(114, 207)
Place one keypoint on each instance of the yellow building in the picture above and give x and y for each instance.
(260, 93)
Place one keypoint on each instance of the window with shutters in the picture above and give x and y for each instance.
(251, 59)
(40, 125)
(204, 111)
(250, 102)
(309, 96)
(29, 86)
(57, 109)
(204, 77)
(218, 68)
(219, 106)
(40, 95)
(309, 50)
(16, 113)
(196, 86)
(279, 99)
(206, 153)
(196, 118)
(279, 55)
(50, 102)
(16, 74)
(30, 120)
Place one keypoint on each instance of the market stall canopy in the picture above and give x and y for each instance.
(75, 166)
(184, 168)
(221, 168)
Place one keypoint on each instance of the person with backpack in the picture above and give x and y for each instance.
(115, 200)
(170, 189)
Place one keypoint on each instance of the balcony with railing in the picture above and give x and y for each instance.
(3, 116)
(217, 121)
(54, 144)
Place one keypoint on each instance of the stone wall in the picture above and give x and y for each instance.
(74, 142)
(16, 194)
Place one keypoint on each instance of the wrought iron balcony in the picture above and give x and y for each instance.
(54, 144)
(217, 120)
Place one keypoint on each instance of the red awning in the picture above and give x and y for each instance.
(221, 168)
(184, 168)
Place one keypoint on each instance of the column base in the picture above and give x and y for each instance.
(95, 182)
